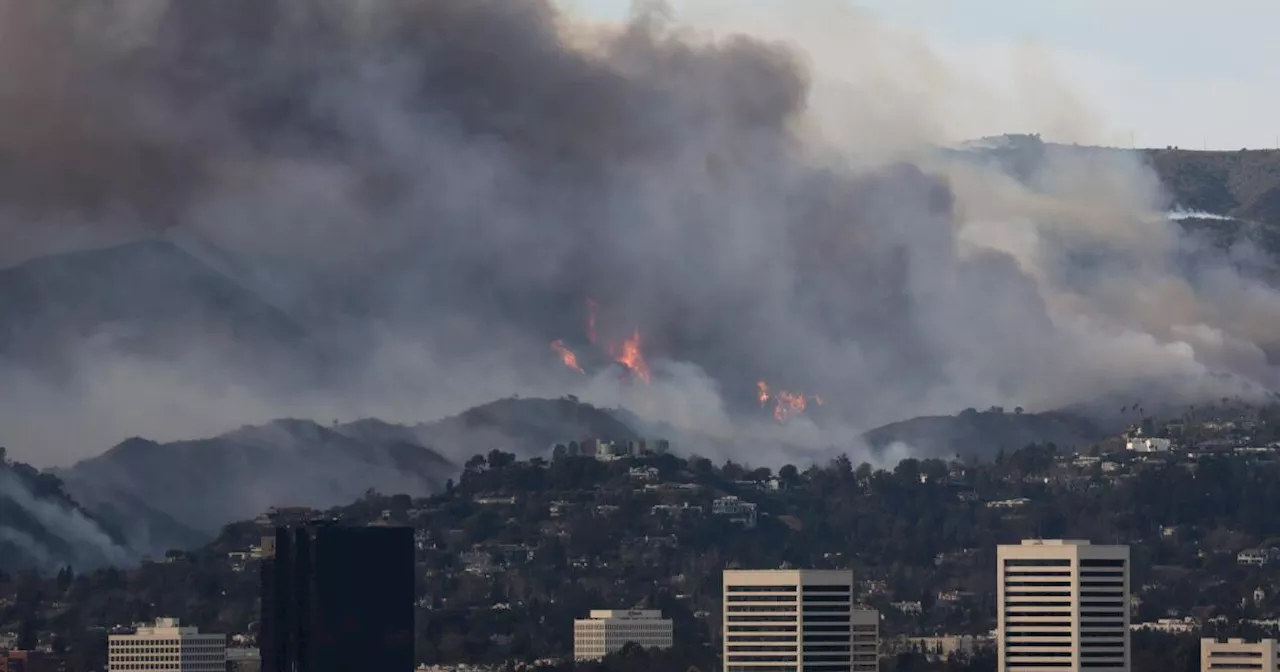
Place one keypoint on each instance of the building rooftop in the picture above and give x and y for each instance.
(626, 613)
(165, 627)
(1055, 542)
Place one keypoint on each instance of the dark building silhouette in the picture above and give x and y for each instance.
(337, 599)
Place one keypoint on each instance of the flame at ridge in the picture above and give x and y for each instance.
(786, 405)
(631, 355)
(566, 355)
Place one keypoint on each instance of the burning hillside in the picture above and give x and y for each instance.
(430, 189)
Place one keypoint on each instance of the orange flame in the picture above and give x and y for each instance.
(786, 405)
(631, 356)
(566, 355)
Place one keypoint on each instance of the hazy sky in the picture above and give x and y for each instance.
(1190, 73)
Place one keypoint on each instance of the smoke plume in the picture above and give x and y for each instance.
(438, 189)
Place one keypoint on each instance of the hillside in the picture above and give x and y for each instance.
(1243, 184)
(526, 427)
(550, 539)
(1239, 191)
(42, 527)
(982, 435)
(178, 495)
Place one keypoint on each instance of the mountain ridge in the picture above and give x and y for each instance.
(173, 495)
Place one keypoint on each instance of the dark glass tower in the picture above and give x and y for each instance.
(338, 599)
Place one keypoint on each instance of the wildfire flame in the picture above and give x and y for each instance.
(786, 405)
(630, 355)
(566, 355)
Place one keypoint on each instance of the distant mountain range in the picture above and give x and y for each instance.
(173, 495)
(143, 498)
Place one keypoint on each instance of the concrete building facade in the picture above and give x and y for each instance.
(1238, 655)
(797, 621)
(606, 631)
(167, 647)
(1063, 606)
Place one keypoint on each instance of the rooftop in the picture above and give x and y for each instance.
(625, 614)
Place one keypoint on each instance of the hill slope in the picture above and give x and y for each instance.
(42, 527)
(526, 427)
(178, 494)
(1239, 190)
(1242, 184)
(972, 434)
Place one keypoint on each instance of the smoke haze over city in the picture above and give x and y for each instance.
(444, 197)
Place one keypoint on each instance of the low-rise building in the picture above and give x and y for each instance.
(29, 661)
(1140, 444)
(1254, 556)
(606, 631)
(244, 660)
(941, 647)
(1237, 654)
(737, 510)
(1015, 503)
(1170, 625)
(167, 646)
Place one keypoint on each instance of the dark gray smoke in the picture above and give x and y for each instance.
(435, 189)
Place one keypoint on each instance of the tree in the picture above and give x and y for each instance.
(498, 459)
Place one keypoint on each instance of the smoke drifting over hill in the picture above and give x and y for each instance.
(439, 189)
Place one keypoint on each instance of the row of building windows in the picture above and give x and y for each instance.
(1063, 562)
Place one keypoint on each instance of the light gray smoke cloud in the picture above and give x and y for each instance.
(69, 536)
(435, 189)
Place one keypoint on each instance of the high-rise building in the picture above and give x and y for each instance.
(797, 621)
(1237, 655)
(1064, 605)
(337, 599)
(606, 631)
(167, 647)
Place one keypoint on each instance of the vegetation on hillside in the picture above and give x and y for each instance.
(515, 550)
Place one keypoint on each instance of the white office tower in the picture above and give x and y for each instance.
(606, 631)
(1064, 606)
(797, 621)
(166, 647)
(1237, 655)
